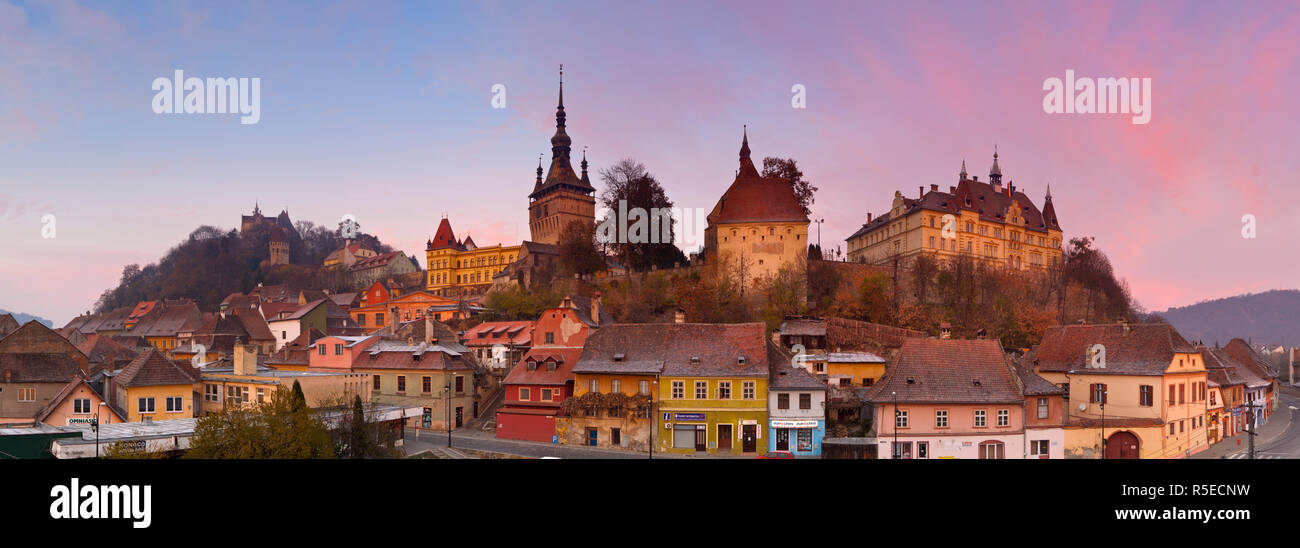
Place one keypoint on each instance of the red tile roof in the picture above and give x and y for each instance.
(153, 368)
(948, 371)
(541, 373)
(678, 349)
(754, 198)
(1145, 349)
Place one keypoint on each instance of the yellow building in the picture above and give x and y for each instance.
(245, 383)
(982, 220)
(757, 226)
(459, 267)
(846, 369)
(1139, 387)
(153, 387)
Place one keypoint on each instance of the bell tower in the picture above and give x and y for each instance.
(563, 196)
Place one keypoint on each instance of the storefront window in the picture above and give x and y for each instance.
(804, 439)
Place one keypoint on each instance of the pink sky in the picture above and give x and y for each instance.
(383, 113)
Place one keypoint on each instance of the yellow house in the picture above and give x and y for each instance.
(615, 383)
(983, 220)
(758, 226)
(712, 392)
(245, 383)
(153, 387)
(845, 369)
(1133, 390)
(456, 267)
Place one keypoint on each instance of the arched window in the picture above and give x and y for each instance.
(992, 450)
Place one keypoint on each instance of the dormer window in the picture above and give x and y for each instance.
(695, 359)
(740, 360)
(619, 357)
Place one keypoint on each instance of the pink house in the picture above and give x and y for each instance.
(335, 352)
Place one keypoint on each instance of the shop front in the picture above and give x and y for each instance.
(798, 436)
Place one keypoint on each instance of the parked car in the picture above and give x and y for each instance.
(777, 455)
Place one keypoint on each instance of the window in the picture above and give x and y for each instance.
(701, 390)
(401, 384)
(338, 349)
(145, 405)
(261, 395)
(922, 449)
(524, 395)
(981, 418)
(460, 384)
(174, 404)
(941, 418)
(81, 406)
(546, 394)
(678, 390)
(903, 450)
(1038, 447)
(1043, 410)
(426, 384)
(1145, 395)
(724, 390)
(237, 394)
(615, 386)
(1098, 393)
(1182, 393)
(805, 401)
(992, 450)
(900, 418)
(1212, 399)
(375, 381)
(593, 385)
(1171, 394)
(211, 392)
(550, 337)
(320, 349)
(26, 394)
(1004, 417)
(379, 318)
(747, 392)
(643, 387)
(782, 401)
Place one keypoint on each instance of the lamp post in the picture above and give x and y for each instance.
(654, 419)
(95, 426)
(1103, 423)
(894, 449)
(819, 234)
(447, 417)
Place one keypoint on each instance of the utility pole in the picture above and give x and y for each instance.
(1250, 427)
(819, 233)
(894, 449)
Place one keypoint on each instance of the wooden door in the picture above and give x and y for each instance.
(749, 438)
(1122, 445)
(724, 437)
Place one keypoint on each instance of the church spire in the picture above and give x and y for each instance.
(962, 176)
(561, 142)
(584, 163)
(746, 164)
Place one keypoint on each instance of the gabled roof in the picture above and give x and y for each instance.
(67, 390)
(1035, 385)
(29, 355)
(1249, 359)
(948, 371)
(754, 198)
(444, 238)
(1144, 349)
(489, 333)
(154, 369)
(541, 373)
(803, 327)
(677, 349)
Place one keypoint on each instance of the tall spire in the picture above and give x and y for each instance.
(561, 142)
(962, 176)
(746, 164)
(1049, 192)
(584, 163)
(539, 169)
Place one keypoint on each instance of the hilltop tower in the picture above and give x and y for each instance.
(563, 196)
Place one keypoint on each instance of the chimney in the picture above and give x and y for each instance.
(868, 216)
(245, 359)
(934, 188)
(945, 331)
(952, 190)
(393, 320)
(679, 316)
(920, 191)
(595, 308)
(428, 326)
(1123, 322)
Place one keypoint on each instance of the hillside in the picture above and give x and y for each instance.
(1272, 317)
(24, 318)
(212, 263)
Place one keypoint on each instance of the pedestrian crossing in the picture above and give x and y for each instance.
(1258, 456)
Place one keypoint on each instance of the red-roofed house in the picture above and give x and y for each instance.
(539, 383)
(154, 387)
(513, 338)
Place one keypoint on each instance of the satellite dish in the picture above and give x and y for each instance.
(1083, 407)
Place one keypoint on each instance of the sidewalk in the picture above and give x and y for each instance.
(1268, 433)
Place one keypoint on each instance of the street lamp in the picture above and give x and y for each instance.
(654, 418)
(95, 426)
(894, 449)
(447, 417)
(1103, 423)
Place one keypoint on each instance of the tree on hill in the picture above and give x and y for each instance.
(788, 169)
(578, 251)
(649, 236)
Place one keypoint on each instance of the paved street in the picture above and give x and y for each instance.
(1277, 439)
(486, 441)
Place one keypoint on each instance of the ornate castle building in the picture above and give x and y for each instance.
(563, 196)
(459, 267)
(981, 219)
